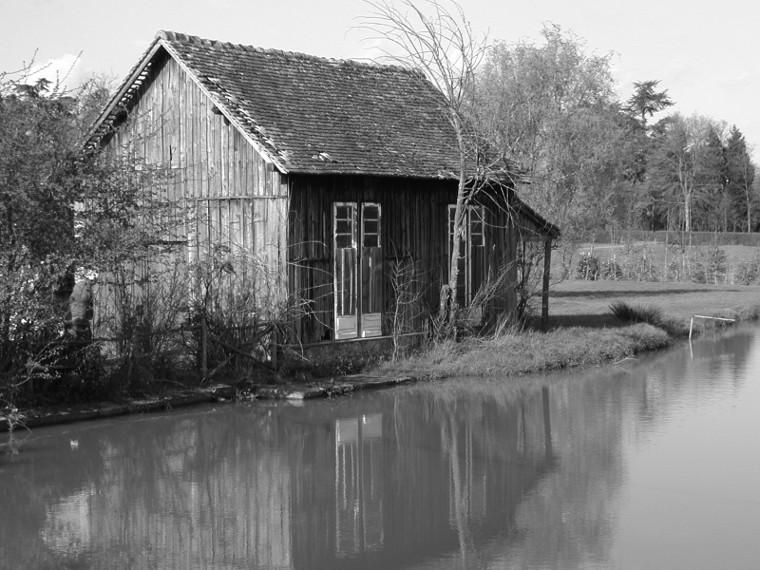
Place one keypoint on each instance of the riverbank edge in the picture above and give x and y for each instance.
(561, 348)
(325, 388)
(379, 377)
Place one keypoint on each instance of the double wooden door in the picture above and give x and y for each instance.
(358, 269)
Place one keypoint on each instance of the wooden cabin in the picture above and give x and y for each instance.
(329, 171)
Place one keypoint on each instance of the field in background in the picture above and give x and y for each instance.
(696, 238)
(702, 257)
(587, 303)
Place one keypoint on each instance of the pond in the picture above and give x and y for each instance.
(651, 463)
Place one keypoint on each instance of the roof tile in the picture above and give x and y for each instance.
(326, 116)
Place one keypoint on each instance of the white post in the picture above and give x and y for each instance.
(691, 326)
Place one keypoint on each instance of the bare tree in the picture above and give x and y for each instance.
(443, 47)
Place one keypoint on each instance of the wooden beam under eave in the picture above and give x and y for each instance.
(545, 287)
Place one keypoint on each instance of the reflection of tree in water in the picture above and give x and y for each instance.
(33, 496)
(168, 493)
(461, 474)
(394, 478)
(570, 520)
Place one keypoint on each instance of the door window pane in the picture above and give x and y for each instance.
(476, 216)
(345, 269)
(371, 277)
(370, 225)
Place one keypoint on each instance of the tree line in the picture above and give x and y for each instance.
(595, 162)
(545, 117)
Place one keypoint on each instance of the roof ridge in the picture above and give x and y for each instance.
(180, 37)
(295, 108)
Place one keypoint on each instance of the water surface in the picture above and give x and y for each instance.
(652, 463)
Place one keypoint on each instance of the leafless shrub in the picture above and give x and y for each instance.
(408, 308)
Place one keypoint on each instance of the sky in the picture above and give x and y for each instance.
(707, 58)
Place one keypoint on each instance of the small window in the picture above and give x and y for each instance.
(370, 225)
(345, 234)
(476, 226)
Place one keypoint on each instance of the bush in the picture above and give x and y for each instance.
(637, 313)
(747, 272)
(648, 314)
(43, 175)
(712, 268)
(589, 268)
(640, 265)
(611, 270)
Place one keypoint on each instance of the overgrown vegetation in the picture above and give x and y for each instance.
(408, 309)
(42, 177)
(72, 218)
(524, 351)
(649, 314)
(748, 271)
(652, 262)
(599, 339)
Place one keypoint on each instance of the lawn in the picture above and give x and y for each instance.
(587, 303)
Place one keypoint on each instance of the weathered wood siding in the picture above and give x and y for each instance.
(414, 226)
(226, 194)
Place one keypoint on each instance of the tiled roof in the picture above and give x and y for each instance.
(323, 116)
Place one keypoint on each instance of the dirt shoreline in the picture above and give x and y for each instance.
(326, 388)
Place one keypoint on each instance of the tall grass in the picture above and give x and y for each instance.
(530, 351)
(637, 313)
(649, 314)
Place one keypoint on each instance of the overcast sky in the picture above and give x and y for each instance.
(707, 58)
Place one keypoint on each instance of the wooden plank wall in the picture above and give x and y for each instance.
(500, 247)
(225, 193)
(414, 217)
(414, 225)
(507, 227)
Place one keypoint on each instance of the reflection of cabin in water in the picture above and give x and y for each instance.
(460, 472)
(393, 482)
(358, 505)
(327, 171)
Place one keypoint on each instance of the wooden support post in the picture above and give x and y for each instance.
(204, 349)
(545, 288)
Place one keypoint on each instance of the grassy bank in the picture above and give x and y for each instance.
(583, 330)
(530, 351)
